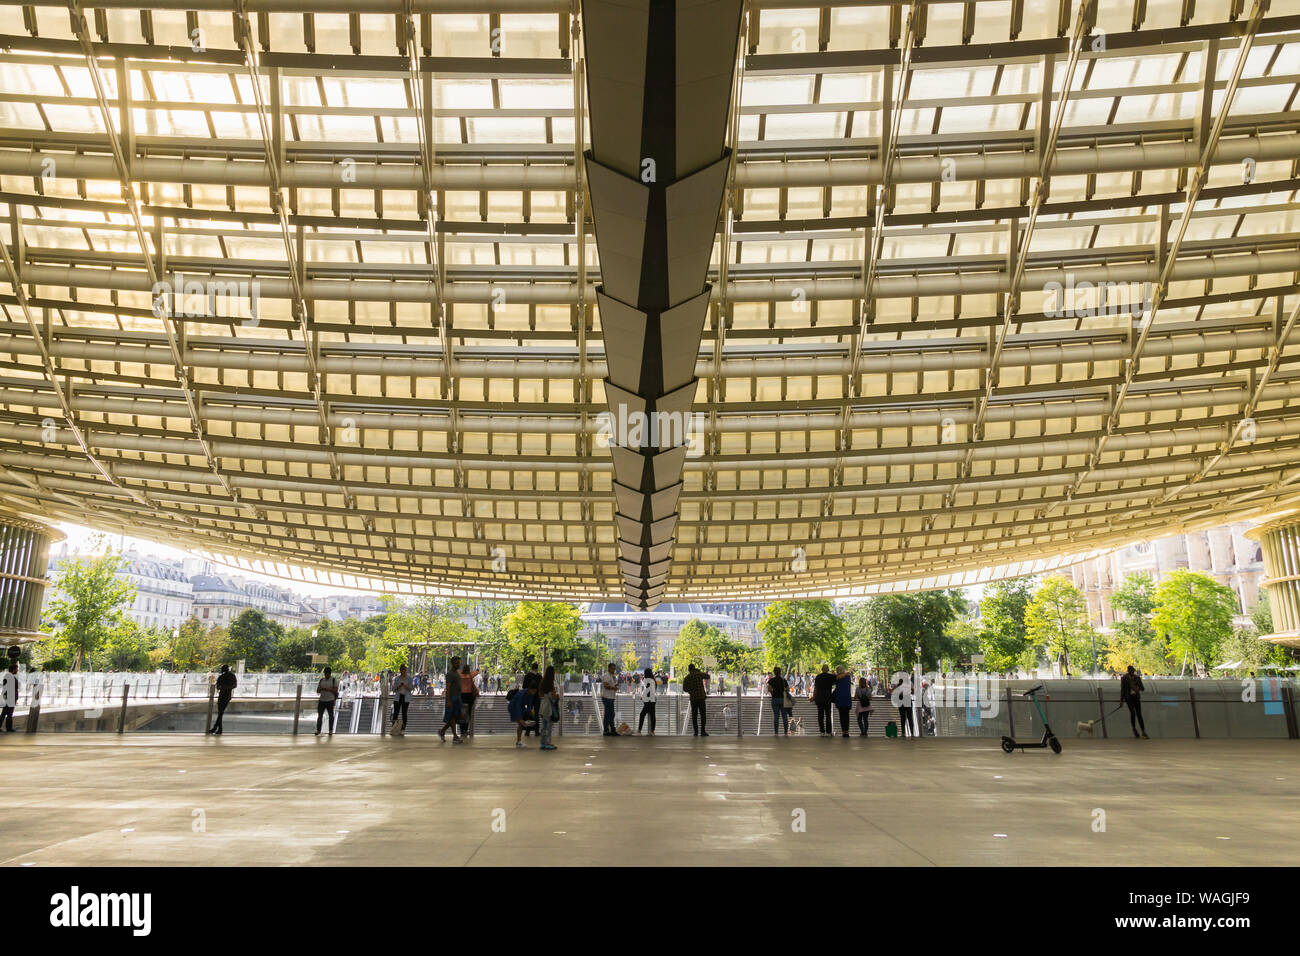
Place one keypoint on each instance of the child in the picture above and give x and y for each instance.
(520, 709)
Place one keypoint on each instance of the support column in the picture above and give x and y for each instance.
(24, 559)
(659, 82)
(1280, 542)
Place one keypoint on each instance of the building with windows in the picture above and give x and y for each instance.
(164, 598)
(653, 633)
(219, 599)
(341, 607)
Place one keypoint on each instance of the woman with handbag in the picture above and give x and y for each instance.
(782, 703)
(862, 704)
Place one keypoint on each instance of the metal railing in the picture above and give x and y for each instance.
(1258, 708)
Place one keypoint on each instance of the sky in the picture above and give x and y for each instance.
(84, 539)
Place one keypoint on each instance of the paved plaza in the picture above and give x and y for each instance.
(189, 800)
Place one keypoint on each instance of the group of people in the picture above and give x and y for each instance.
(534, 706)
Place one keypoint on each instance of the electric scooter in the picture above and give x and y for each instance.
(1009, 744)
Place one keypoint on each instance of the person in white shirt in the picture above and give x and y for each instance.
(401, 697)
(901, 695)
(328, 689)
(648, 692)
(9, 696)
(608, 689)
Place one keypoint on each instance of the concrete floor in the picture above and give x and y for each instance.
(191, 800)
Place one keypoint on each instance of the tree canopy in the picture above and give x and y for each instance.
(888, 628)
(88, 605)
(1057, 621)
(538, 631)
(1193, 616)
(800, 634)
(1003, 636)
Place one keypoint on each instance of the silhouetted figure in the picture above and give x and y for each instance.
(328, 691)
(1130, 692)
(843, 697)
(694, 687)
(226, 684)
(779, 687)
(823, 689)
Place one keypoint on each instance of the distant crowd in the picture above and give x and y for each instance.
(534, 699)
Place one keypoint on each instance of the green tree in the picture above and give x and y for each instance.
(1193, 615)
(540, 631)
(1057, 621)
(630, 659)
(490, 622)
(252, 639)
(1261, 615)
(88, 606)
(1003, 637)
(888, 628)
(1135, 600)
(799, 634)
(691, 646)
(441, 623)
(592, 653)
(732, 656)
(357, 637)
(126, 648)
(196, 648)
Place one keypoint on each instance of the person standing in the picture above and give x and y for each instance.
(468, 698)
(401, 697)
(532, 683)
(927, 708)
(451, 707)
(649, 692)
(9, 696)
(779, 688)
(823, 690)
(548, 708)
(226, 684)
(608, 693)
(862, 705)
(1130, 693)
(901, 693)
(328, 691)
(843, 697)
(694, 687)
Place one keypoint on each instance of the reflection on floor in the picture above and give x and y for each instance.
(194, 800)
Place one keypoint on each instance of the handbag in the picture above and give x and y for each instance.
(788, 702)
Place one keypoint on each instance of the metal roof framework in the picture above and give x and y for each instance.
(907, 372)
